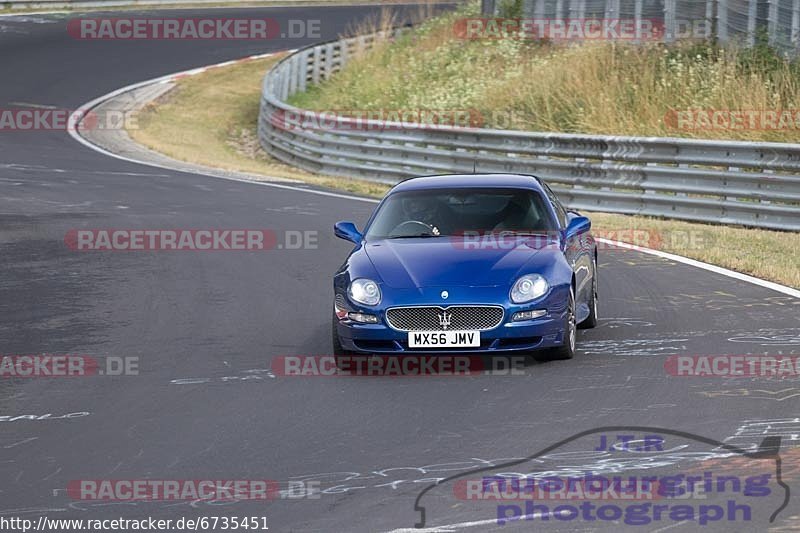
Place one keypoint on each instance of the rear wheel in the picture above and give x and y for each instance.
(567, 351)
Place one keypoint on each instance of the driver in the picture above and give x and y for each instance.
(422, 208)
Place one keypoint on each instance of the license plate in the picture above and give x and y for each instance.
(444, 339)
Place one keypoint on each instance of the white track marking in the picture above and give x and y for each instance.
(74, 121)
(465, 525)
(36, 106)
(705, 266)
(77, 116)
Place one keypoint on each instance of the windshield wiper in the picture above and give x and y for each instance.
(524, 233)
(418, 236)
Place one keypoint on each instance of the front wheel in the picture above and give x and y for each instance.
(591, 320)
(567, 351)
(338, 351)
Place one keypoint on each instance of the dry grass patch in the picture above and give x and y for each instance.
(770, 255)
(211, 119)
(595, 88)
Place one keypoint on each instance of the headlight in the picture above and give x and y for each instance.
(528, 288)
(364, 291)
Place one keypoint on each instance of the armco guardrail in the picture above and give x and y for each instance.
(9, 6)
(753, 184)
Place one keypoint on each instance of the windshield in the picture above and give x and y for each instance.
(449, 212)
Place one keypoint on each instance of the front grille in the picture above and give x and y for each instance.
(430, 318)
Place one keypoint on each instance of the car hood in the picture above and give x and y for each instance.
(445, 261)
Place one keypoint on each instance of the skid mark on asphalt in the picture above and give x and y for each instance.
(789, 339)
(30, 510)
(410, 479)
(668, 343)
(5, 28)
(255, 375)
(21, 167)
(44, 417)
(713, 301)
(613, 323)
(635, 347)
(304, 210)
(755, 394)
(749, 435)
(19, 443)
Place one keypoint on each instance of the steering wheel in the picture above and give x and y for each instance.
(400, 230)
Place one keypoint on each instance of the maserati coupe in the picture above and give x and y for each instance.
(484, 263)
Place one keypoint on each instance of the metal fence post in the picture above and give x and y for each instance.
(315, 66)
(581, 9)
(285, 82)
(669, 20)
(722, 21)
(752, 15)
(529, 8)
(772, 21)
(795, 37)
(559, 14)
(302, 74)
(538, 10)
(611, 9)
(328, 61)
(637, 17)
(293, 70)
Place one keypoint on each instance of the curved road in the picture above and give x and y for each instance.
(206, 326)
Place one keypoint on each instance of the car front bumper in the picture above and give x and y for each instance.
(508, 337)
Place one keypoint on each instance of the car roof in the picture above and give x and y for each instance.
(462, 181)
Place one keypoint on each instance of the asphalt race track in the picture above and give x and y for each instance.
(206, 326)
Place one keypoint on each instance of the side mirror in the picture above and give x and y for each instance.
(347, 231)
(578, 224)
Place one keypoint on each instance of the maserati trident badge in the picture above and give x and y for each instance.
(444, 319)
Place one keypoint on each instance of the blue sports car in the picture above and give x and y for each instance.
(485, 263)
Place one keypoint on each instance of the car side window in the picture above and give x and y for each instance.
(561, 213)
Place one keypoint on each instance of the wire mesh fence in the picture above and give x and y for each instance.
(743, 22)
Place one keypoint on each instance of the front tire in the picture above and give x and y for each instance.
(567, 351)
(338, 351)
(591, 320)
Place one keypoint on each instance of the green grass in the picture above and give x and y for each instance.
(595, 88)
